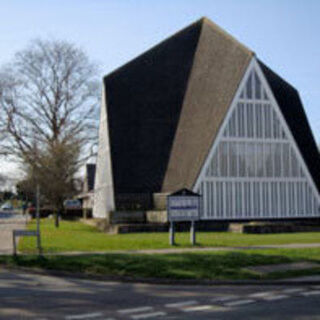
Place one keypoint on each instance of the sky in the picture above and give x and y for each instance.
(283, 33)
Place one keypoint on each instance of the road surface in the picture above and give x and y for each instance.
(40, 297)
(8, 222)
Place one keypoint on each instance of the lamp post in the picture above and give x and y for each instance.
(38, 219)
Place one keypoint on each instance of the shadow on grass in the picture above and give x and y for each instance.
(212, 266)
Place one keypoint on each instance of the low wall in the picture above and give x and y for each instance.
(276, 227)
(157, 216)
(279, 228)
(119, 217)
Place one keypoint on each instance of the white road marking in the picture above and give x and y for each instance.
(148, 315)
(84, 316)
(238, 303)
(197, 308)
(261, 294)
(276, 297)
(181, 304)
(293, 290)
(224, 298)
(310, 293)
(135, 310)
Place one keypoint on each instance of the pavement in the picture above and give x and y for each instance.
(196, 249)
(9, 221)
(43, 297)
(295, 266)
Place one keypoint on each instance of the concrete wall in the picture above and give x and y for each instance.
(127, 217)
(157, 216)
(103, 189)
(160, 201)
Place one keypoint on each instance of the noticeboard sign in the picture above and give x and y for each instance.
(183, 205)
(23, 233)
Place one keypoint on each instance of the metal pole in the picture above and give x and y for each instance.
(14, 243)
(193, 233)
(38, 220)
(171, 234)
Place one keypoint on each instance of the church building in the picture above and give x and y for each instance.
(201, 111)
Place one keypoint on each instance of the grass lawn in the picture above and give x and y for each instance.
(221, 265)
(224, 265)
(75, 236)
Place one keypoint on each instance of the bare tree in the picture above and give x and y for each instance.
(3, 131)
(49, 98)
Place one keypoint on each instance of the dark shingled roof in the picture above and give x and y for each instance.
(90, 176)
(291, 107)
(144, 100)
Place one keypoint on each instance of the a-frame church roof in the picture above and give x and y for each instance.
(166, 106)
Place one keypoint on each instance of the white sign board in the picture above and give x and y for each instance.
(21, 233)
(183, 208)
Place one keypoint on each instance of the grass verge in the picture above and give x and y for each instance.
(75, 236)
(223, 265)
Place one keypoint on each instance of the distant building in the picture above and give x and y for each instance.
(201, 111)
(87, 195)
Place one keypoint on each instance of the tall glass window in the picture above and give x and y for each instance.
(254, 171)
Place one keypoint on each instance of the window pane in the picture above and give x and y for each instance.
(249, 87)
(257, 86)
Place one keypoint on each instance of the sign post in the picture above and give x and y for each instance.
(30, 233)
(183, 205)
(172, 234)
(193, 233)
(22, 233)
(38, 221)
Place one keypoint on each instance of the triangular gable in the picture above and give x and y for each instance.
(219, 65)
(255, 168)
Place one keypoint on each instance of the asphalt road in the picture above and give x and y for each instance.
(40, 297)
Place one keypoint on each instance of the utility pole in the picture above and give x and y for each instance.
(38, 219)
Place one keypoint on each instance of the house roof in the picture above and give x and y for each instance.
(292, 109)
(166, 106)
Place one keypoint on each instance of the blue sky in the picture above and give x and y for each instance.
(283, 33)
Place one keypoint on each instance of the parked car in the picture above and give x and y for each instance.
(72, 204)
(7, 207)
